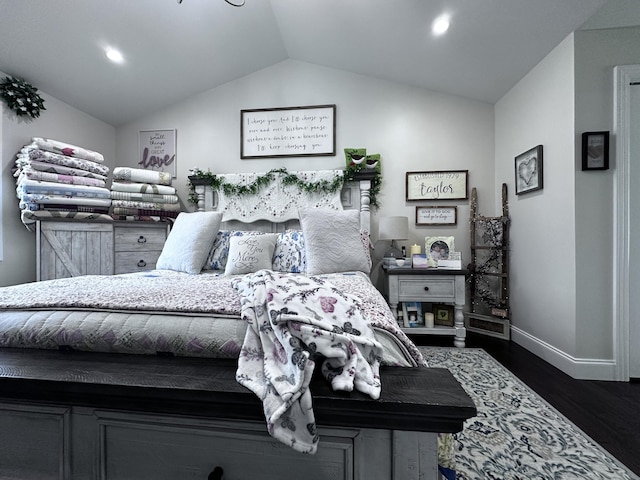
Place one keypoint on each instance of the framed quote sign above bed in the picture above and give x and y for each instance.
(288, 132)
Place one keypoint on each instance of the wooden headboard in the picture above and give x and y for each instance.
(355, 195)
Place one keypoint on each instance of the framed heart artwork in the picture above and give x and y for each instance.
(529, 171)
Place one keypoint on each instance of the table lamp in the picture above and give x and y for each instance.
(393, 228)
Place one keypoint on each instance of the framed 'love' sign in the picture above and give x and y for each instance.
(529, 171)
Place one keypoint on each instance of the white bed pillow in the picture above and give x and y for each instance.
(332, 241)
(250, 253)
(189, 242)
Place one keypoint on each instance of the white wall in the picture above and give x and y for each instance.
(412, 128)
(61, 122)
(562, 301)
(597, 52)
(539, 110)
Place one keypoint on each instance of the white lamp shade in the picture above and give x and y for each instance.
(393, 228)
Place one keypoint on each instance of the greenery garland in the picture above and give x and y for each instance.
(21, 97)
(217, 183)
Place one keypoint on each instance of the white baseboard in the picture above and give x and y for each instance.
(578, 368)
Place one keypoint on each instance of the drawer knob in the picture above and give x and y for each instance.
(142, 263)
(426, 289)
(142, 239)
(216, 474)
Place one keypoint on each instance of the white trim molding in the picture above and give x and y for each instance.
(578, 368)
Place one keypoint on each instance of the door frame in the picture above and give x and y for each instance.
(623, 77)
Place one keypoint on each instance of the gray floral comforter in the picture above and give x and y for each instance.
(160, 311)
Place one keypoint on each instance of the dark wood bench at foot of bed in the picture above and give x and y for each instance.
(68, 415)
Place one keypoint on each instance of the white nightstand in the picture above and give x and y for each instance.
(432, 285)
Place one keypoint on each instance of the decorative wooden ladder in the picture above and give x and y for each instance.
(489, 271)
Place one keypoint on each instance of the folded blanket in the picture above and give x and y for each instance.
(28, 173)
(67, 149)
(142, 212)
(142, 218)
(62, 189)
(291, 321)
(168, 207)
(141, 175)
(29, 217)
(34, 207)
(29, 153)
(24, 162)
(144, 197)
(143, 188)
(29, 198)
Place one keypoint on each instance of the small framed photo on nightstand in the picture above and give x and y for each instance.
(412, 314)
(443, 315)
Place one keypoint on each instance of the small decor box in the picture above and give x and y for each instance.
(451, 264)
(419, 260)
(451, 261)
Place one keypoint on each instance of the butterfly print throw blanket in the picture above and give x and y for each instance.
(293, 321)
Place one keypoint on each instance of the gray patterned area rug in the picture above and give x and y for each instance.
(517, 435)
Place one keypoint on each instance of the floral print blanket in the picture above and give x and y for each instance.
(294, 320)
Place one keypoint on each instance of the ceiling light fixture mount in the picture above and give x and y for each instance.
(440, 25)
(233, 3)
(114, 55)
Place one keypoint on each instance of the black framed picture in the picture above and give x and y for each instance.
(528, 170)
(595, 151)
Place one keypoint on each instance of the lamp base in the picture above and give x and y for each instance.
(393, 252)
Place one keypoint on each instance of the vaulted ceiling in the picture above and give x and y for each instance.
(173, 51)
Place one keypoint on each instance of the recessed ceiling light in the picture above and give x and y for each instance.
(114, 55)
(440, 25)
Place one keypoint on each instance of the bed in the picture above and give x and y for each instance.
(171, 373)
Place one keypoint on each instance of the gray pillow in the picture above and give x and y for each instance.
(250, 253)
(189, 242)
(332, 241)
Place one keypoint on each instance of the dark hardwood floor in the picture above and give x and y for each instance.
(608, 412)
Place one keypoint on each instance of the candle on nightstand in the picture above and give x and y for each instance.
(415, 250)
(428, 320)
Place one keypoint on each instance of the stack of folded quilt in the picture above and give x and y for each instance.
(58, 180)
(138, 194)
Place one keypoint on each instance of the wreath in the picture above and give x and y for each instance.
(21, 97)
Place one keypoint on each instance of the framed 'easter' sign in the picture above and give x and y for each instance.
(528, 170)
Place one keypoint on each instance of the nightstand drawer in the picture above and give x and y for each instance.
(127, 262)
(426, 288)
(140, 239)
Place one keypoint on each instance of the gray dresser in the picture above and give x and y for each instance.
(68, 249)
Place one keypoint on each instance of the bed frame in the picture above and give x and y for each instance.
(76, 415)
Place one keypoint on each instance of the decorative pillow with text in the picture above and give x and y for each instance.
(250, 253)
(217, 258)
